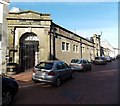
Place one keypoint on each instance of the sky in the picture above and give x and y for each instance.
(84, 18)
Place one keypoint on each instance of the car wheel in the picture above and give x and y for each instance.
(58, 82)
(84, 69)
(90, 68)
(6, 98)
(35, 80)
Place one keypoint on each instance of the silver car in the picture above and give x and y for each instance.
(81, 64)
(100, 61)
(108, 58)
(52, 72)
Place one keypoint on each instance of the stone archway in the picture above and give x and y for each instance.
(29, 51)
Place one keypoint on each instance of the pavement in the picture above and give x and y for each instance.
(24, 78)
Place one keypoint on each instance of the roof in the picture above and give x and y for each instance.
(52, 61)
(71, 32)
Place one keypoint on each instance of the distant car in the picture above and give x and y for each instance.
(100, 60)
(108, 58)
(118, 56)
(13, 68)
(81, 64)
(113, 58)
(10, 88)
(53, 72)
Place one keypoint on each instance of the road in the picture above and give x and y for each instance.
(99, 86)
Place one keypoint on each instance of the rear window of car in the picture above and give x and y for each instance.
(102, 58)
(107, 57)
(12, 64)
(74, 61)
(97, 57)
(44, 65)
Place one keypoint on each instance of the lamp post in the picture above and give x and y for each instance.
(99, 37)
(81, 47)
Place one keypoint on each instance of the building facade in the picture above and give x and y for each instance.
(34, 37)
(4, 4)
(108, 49)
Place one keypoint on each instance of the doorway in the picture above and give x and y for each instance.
(28, 50)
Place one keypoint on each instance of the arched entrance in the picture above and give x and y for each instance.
(28, 50)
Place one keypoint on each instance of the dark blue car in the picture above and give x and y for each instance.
(9, 89)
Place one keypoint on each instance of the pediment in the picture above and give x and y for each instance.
(29, 15)
(29, 12)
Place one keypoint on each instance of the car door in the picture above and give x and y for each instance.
(88, 64)
(74, 63)
(85, 64)
(67, 70)
(60, 70)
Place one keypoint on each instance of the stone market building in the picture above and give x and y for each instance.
(34, 37)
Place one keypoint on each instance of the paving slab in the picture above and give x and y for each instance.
(23, 78)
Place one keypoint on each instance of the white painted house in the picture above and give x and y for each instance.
(109, 49)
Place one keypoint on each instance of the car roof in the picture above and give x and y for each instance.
(51, 61)
(79, 59)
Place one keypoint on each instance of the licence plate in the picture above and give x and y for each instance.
(43, 73)
(11, 69)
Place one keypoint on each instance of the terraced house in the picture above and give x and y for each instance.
(34, 37)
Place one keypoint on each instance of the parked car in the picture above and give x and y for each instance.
(100, 60)
(108, 58)
(112, 58)
(13, 68)
(118, 56)
(81, 64)
(53, 72)
(10, 88)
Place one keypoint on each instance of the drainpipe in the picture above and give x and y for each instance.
(50, 55)
(13, 32)
(81, 47)
(54, 35)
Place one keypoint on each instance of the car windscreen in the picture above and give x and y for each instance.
(97, 57)
(44, 65)
(103, 58)
(74, 61)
